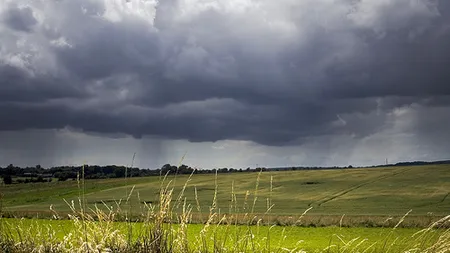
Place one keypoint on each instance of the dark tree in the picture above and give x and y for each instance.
(165, 168)
(119, 172)
(7, 179)
(223, 170)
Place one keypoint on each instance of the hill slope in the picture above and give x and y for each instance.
(376, 191)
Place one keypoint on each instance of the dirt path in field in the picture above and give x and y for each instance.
(355, 187)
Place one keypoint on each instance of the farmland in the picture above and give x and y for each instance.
(360, 195)
(326, 208)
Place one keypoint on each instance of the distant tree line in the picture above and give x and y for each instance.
(14, 174)
(63, 173)
(415, 163)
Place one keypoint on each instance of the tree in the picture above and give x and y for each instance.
(223, 170)
(119, 172)
(61, 176)
(184, 169)
(7, 179)
(165, 168)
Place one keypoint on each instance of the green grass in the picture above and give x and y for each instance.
(308, 239)
(366, 196)
(237, 213)
(38, 196)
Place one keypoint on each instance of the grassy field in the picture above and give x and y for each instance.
(300, 238)
(238, 212)
(364, 196)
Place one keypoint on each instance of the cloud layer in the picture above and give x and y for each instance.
(272, 72)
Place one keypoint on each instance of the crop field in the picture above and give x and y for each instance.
(350, 210)
(380, 192)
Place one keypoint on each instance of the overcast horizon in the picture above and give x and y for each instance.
(229, 83)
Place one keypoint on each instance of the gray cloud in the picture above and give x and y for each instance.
(19, 18)
(275, 73)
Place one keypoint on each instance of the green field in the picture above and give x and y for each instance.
(382, 191)
(300, 238)
(358, 194)
(341, 205)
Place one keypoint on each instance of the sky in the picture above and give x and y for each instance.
(224, 83)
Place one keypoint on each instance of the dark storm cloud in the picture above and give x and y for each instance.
(20, 19)
(19, 86)
(273, 73)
